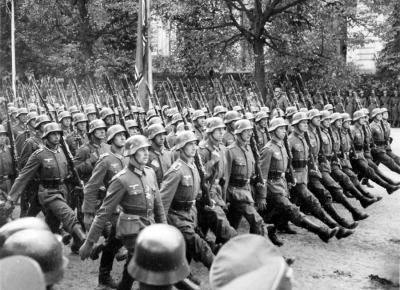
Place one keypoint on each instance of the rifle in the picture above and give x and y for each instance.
(225, 94)
(312, 159)
(205, 196)
(78, 95)
(136, 105)
(200, 100)
(94, 96)
(202, 96)
(115, 101)
(77, 192)
(60, 94)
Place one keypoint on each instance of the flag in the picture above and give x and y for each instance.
(143, 70)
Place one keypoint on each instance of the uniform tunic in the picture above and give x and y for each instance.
(262, 136)
(200, 133)
(394, 108)
(229, 138)
(160, 161)
(18, 128)
(6, 173)
(75, 140)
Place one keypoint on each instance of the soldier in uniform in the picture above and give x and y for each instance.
(12, 112)
(394, 109)
(219, 111)
(176, 119)
(160, 158)
(213, 156)
(282, 102)
(179, 191)
(386, 123)
(261, 129)
(135, 190)
(50, 166)
(359, 162)
(20, 127)
(91, 113)
(230, 119)
(78, 137)
(65, 120)
(107, 115)
(73, 110)
(241, 171)
(317, 100)
(385, 100)
(199, 120)
(274, 163)
(108, 165)
(363, 100)
(7, 172)
(28, 133)
(133, 127)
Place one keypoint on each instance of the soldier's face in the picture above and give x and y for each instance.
(303, 126)
(119, 140)
(378, 117)
(3, 138)
(91, 117)
(190, 149)
(23, 118)
(142, 155)
(280, 132)
(54, 138)
(263, 122)
(326, 123)
(109, 120)
(385, 115)
(159, 139)
(66, 122)
(346, 124)
(338, 123)
(201, 121)
(141, 117)
(220, 115)
(100, 133)
(316, 121)
(32, 123)
(81, 126)
(133, 131)
(361, 121)
(14, 116)
(218, 134)
(246, 135)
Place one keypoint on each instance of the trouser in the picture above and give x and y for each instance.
(386, 160)
(216, 220)
(303, 198)
(196, 247)
(333, 187)
(319, 191)
(127, 280)
(111, 247)
(375, 167)
(3, 215)
(239, 209)
(361, 165)
(395, 157)
(354, 179)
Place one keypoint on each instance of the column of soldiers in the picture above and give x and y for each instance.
(141, 169)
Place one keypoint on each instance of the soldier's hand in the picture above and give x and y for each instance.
(9, 206)
(88, 220)
(212, 206)
(215, 156)
(262, 204)
(85, 250)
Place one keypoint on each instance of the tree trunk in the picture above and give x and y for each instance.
(259, 66)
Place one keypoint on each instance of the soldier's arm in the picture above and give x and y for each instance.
(208, 163)
(26, 174)
(115, 194)
(159, 213)
(265, 161)
(92, 187)
(82, 162)
(169, 187)
(26, 151)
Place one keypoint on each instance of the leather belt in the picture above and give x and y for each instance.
(182, 205)
(359, 147)
(238, 182)
(139, 212)
(299, 164)
(380, 143)
(275, 174)
(51, 183)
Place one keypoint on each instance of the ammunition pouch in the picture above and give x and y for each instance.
(182, 205)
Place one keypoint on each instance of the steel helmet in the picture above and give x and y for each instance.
(21, 111)
(375, 112)
(43, 247)
(219, 109)
(42, 110)
(176, 118)
(32, 115)
(231, 116)
(73, 109)
(64, 114)
(12, 110)
(3, 129)
(79, 117)
(298, 117)
(346, 117)
(242, 125)
(278, 113)
(154, 130)
(313, 113)
(50, 128)
(51, 108)
(205, 110)
(290, 111)
(335, 117)
(181, 127)
(60, 109)
(33, 107)
(358, 114)
(134, 109)
(261, 115)
(114, 130)
(383, 110)
(277, 122)
(134, 143)
(96, 124)
(325, 114)
(89, 105)
(249, 116)
(254, 109)
(160, 256)
(184, 137)
(265, 109)
(237, 108)
(214, 123)
(131, 123)
(41, 119)
(150, 114)
(165, 107)
(106, 112)
(90, 110)
(366, 111)
(141, 110)
(197, 114)
(21, 224)
(154, 120)
(172, 111)
(328, 107)
(304, 110)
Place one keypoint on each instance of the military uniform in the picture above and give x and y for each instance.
(134, 189)
(66, 130)
(384, 101)
(21, 138)
(160, 161)
(6, 173)
(200, 133)
(373, 100)
(262, 136)
(171, 139)
(18, 128)
(241, 170)
(229, 138)
(179, 191)
(216, 175)
(388, 147)
(317, 100)
(394, 110)
(350, 105)
(75, 140)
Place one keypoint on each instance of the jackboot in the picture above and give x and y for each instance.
(324, 233)
(272, 236)
(357, 214)
(283, 226)
(65, 237)
(332, 211)
(386, 178)
(365, 201)
(79, 238)
(106, 265)
(106, 280)
(392, 189)
(95, 253)
(328, 220)
(347, 194)
(365, 181)
(127, 280)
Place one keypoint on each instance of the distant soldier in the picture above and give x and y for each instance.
(20, 127)
(65, 119)
(199, 120)
(80, 136)
(388, 138)
(230, 119)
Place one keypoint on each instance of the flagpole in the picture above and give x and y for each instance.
(148, 52)
(13, 50)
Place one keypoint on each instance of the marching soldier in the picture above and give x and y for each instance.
(50, 166)
(395, 109)
(108, 165)
(20, 127)
(108, 117)
(261, 128)
(65, 120)
(28, 133)
(133, 127)
(219, 111)
(176, 119)
(199, 120)
(91, 113)
(179, 191)
(389, 152)
(12, 112)
(135, 190)
(78, 137)
(230, 119)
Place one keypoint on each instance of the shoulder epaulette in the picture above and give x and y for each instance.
(176, 166)
(38, 151)
(231, 146)
(103, 155)
(122, 172)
